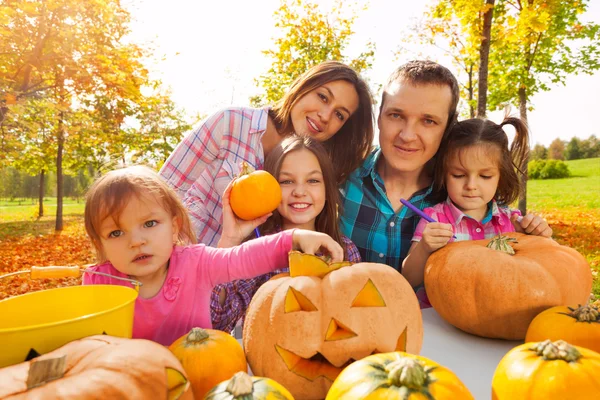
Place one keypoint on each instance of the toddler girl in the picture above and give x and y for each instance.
(137, 225)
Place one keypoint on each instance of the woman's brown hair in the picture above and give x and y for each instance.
(108, 196)
(352, 143)
(477, 131)
(327, 220)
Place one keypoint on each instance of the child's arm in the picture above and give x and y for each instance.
(531, 224)
(435, 236)
(235, 229)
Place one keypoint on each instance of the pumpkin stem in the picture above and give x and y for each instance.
(240, 385)
(587, 313)
(558, 350)
(245, 169)
(406, 372)
(501, 243)
(196, 335)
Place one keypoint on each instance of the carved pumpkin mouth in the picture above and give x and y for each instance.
(318, 365)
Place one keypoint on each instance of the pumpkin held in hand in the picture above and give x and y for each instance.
(580, 326)
(208, 357)
(245, 387)
(491, 293)
(254, 193)
(99, 366)
(547, 371)
(302, 329)
(397, 375)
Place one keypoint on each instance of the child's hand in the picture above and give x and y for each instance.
(312, 242)
(436, 235)
(531, 225)
(235, 229)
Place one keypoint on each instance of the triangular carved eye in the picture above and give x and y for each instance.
(338, 331)
(368, 296)
(296, 301)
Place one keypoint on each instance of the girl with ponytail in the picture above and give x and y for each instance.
(479, 174)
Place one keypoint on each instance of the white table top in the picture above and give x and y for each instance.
(472, 358)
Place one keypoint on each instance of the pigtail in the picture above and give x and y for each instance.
(519, 149)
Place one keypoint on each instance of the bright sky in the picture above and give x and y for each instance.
(213, 53)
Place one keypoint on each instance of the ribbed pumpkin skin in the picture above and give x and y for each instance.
(210, 361)
(367, 379)
(255, 195)
(556, 324)
(102, 367)
(492, 294)
(523, 375)
(262, 389)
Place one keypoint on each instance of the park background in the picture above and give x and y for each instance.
(86, 86)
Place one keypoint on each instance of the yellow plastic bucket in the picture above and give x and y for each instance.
(39, 322)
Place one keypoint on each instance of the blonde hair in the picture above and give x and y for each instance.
(108, 196)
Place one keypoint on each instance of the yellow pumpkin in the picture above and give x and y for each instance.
(254, 193)
(494, 288)
(547, 371)
(304, 327)
(208, 357)
(579, 326)
(397, 375)
(245, 387)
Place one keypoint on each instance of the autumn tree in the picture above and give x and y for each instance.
(308, 37)
(556, 150)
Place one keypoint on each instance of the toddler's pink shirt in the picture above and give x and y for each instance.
(183, 301)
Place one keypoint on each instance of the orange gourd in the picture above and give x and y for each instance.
(547, 371)
(304, 327)
(489, 292)
(579, 326)
(208, 357)
(397, 375)
(99, 366)
(254, 193)
(245, 387)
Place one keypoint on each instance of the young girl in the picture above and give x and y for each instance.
(478, 173)
(135, 222)
(329, 103)
(310, 200)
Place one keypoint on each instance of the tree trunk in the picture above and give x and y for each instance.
(484, 52)
(59, 173)
(523, 115)
(470, 89)
(41, 194)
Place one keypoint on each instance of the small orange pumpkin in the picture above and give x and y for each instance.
(480, 287)
(254, 193)
(245, 387)
(579, 326)
(547, 371)
(99, 366)
(397, 375)
(208, 357)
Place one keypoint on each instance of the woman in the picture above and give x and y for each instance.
(329, 103)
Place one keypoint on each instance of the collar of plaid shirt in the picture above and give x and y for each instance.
(381, 234)
(492, 212)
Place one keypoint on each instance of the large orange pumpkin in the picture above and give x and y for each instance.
(397, 375)
(99, 367)
(547, 371)
(208, 357)
(579, 326)
(302, 329)
(254, 193)
(491, 293)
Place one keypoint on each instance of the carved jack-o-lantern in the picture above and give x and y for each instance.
(304, 327)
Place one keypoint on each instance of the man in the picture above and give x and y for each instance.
(418, 105)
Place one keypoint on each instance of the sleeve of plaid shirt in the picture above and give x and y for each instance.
(191, 156)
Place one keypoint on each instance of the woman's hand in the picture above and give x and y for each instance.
(235, 229)
(531, 225)
(312, 242)
(435, 236)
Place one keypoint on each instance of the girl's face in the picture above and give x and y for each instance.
(471, 178)
(142, 243)
(302, 190)
(321, 112)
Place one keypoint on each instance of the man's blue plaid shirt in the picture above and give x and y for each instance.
(368, 219)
